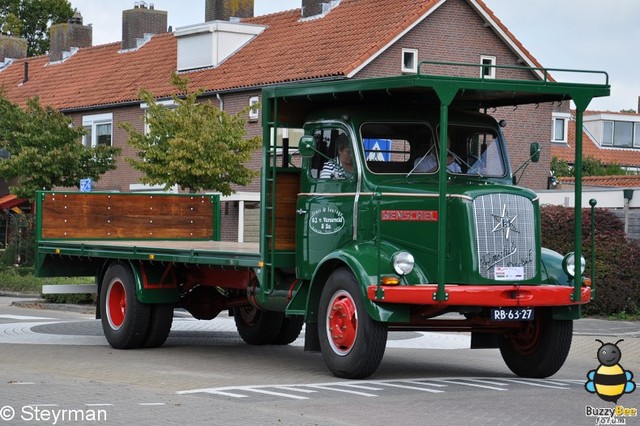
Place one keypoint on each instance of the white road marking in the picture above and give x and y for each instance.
(284, 395)
(395, 385)
(23, 317)
(462, 383)
(419, 384)
(295, 389)
(533, 382)
(325, 387)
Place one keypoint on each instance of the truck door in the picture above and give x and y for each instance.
(325, 204)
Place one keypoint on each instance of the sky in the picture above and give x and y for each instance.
(568, 34)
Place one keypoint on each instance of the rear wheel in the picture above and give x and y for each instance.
(290, 329)
(257, 327)
(159, 325)
(352, 343)
(540, 349)
(125, 320)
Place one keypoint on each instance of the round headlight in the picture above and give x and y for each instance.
(569, 264)
(403, 262)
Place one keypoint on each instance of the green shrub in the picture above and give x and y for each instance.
(616, 280)
(74, 298)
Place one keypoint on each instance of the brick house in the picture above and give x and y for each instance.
(232, 60)
(611, 137)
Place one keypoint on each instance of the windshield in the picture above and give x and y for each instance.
(411, 148)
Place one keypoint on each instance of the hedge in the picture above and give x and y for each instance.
(617, 265)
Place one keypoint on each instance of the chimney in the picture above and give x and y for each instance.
(63, 37)
(224, 10)
(311, 7)
(638, 110)
(142, 19)
(12, 47)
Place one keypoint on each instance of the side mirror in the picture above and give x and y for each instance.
(534, 152)
(307, 146)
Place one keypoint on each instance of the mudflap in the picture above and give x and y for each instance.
(311, 337)
(484, 340)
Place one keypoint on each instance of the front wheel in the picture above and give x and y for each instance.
(125, 320)
(540, 349)
(352, 343)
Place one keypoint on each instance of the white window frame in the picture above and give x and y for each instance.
(94, 121)
(562, 116)
(492, 60)
(170, 103)
(254, 113)
(413, 65)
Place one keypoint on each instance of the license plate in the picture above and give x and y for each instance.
(512, 314)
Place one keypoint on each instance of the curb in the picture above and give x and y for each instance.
(41, 304)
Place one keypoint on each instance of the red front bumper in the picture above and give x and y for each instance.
(475, 295)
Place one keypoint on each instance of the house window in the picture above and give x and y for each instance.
(636, 137)
(623, 133)
(254, 113)
(170, 104)
(620, 134)
(560, 127)
(98, 130)
(488, 69)
(410, 60)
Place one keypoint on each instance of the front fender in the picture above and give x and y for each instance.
(552, 272)
(368, 262)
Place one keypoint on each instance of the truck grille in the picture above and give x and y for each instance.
(505, 235)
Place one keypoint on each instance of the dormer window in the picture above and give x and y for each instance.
(488, 69)
(620, 134)
(410, 60)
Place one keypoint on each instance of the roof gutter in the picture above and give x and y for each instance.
(216, 93)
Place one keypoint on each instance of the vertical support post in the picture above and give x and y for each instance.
(592, 203)
(441, 294)
(578, 207)
(446, 94)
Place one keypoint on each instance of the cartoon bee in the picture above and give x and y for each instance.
(610, 381)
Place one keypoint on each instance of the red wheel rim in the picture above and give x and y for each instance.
(527, 340)
(342, 323)
(116, 304)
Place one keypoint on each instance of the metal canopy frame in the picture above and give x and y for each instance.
(288, 105)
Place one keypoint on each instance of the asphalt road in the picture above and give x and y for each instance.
(56, 368)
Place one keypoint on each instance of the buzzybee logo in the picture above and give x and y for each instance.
(610, 381)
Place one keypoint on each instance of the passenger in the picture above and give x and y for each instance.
(340, 167)
(428, 163)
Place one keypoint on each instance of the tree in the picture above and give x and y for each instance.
(194, 145)
(45, 150)
(31, 19)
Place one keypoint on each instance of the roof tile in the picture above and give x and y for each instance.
(290, 49)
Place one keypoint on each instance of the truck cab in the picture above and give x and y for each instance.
(408, 210)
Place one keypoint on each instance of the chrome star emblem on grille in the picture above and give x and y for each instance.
(504, 223)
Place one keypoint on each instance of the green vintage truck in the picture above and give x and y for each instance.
(362, 232)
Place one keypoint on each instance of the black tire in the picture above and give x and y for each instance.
(159, 325)
(355, 348)
(541, 349)
(290, 330)
(257, 327)
(125, 320)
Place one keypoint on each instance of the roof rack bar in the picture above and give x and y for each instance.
(544, 71)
